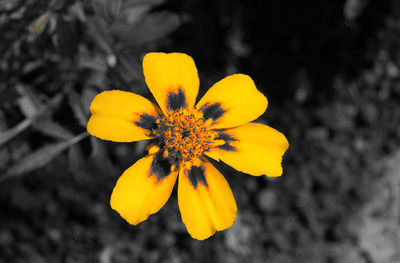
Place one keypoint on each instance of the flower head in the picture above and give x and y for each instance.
(182, 134)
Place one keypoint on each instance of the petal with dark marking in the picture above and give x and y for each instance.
(176, 101)
(205, 201)
(253, 148)
(212, 111)
(161, 166)
(121, 116)
(172, 79)
(147, 122)
(227, 146)
(232, 101)
(196, 175)
(140, 193)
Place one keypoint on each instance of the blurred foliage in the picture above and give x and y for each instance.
(330, 70)
(55, 57)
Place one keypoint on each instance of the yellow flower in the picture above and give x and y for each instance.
(219, 126)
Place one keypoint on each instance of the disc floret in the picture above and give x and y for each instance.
(185, 135)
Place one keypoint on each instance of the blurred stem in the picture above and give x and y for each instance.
(8, 135)
(78, 138)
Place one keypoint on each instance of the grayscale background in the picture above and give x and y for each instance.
(330, 70)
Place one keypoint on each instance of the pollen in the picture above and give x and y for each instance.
(185, 135)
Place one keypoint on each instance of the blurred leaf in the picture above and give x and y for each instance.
(354, 8)
(77, 10)
(4, 153)
(67, 38)
(107, 10)
(14, 131)
(153, 26)
(41, 157)
(8, 5)
(37, 159)
(53, 129)
(99, 32)
(135, 13)
(19, 13)
(127, 75)
(42, 113)
(30, 98)
(76, 106)
(31, 66)
(134, 10)
(97, 79)
(30, 104)
(27, 106)
(39, 25)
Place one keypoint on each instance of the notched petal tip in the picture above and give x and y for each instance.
(233, 101)
(205, 209)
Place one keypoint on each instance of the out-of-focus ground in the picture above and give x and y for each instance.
(329, 69)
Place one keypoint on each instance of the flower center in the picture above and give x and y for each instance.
(185, 135)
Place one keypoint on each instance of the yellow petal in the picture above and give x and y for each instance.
(233, 101)
(140, 193)
(172, 78)
(252, 148)
(205, 201)
(121, 116)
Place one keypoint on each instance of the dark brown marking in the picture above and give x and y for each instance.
(160, 166)
(228, 139)
(176, 101)
(197, 175)
(213, 111)
(147, 122)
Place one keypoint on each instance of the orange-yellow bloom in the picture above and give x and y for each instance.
(219, 126)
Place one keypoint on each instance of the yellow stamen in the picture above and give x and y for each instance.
(166, 154)
(186, 135)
